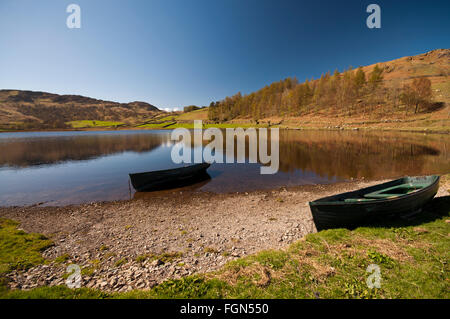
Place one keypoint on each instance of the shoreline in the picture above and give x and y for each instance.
(235, 125)
(137, 244)
(202, 231)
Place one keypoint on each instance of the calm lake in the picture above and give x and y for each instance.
(58, 168)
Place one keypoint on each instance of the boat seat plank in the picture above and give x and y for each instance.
(356, 200)
(395, 191)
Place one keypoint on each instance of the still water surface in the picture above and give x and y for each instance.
(58, 168)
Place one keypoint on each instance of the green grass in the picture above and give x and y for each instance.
(18, 249)
(93, 123)
(121, 262)
(62, 259)
(190, 125)
(210, 250)
(164, 257)
(413, 257)
(200, 114)
(57, 292)
(169, 118)
(155, 125)
(236, 125)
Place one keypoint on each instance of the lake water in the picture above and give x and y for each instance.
(58, 168)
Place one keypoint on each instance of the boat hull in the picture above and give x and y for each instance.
(171, 178)
(332, 212)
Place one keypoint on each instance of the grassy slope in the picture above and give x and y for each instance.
(397, 72)
(186, 120)
(89, 123)
(201, 114)
(413, 256)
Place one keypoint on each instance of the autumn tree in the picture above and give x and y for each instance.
(360, 80)
(417, 94)
(190, 108)
(348, 89)
(375, 88)
(337, 92)
(376, 77)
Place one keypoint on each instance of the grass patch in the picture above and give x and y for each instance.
(169, 118)
(190, 125)
(120, 262)
(18, 249)
(55, 292)
(200, 114)
(164, 257)
(275, 259)
(93, 123)
(156, 125)
(210, 250)
(62, 259)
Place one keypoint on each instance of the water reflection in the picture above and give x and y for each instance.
(40, 148)
(355, 155)
(73, 167)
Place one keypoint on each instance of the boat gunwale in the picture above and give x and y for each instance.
(381, 200)
(206, 164)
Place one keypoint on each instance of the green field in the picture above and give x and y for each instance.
(155, 125)
(190, 125)
(170, 118)
(220, 125)
(201, 114)
(92, 123)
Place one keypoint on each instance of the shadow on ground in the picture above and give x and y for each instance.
(438, 208)
(189, 185)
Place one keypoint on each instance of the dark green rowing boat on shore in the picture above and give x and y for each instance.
(404, 195)
(169, 178)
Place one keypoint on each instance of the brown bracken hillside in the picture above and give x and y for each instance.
(405, 88)
(434, 65)
(28, 109)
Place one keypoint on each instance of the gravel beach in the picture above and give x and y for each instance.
(139, 243)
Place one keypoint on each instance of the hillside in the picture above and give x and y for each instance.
(434, 65)
(41, 110)
(386, 91)
(386, 95)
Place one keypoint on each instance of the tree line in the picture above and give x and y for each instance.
(350, 92)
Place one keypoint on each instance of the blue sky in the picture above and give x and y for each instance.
(176, 53)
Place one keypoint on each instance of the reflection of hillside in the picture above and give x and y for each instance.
(347, 154)
(27, 152)
(372, 155)
(326, 153)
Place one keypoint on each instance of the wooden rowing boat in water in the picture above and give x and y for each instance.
(169, 178)
(350, 209)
